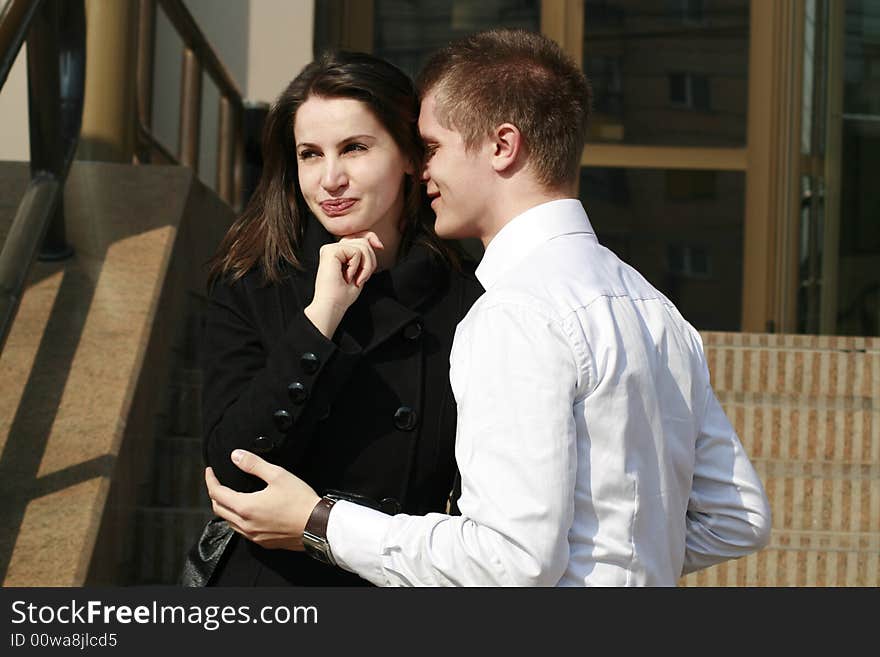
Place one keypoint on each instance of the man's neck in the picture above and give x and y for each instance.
(516, 203)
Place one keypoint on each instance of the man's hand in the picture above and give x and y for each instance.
(274, 517)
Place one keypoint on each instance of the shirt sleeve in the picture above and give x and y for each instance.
(514, 377)
(265, 399)
(728, 511)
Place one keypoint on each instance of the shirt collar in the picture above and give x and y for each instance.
(525, 232)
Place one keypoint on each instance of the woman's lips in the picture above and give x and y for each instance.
(337, 207)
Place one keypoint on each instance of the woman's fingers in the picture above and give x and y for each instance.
(370, 263)
(368, 235)
(358, 260)
(350, 266)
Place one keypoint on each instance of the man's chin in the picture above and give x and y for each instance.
(451, 230)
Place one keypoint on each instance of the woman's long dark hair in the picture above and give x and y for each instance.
(270, 229)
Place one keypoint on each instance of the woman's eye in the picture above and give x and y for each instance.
(307, 155)
(349, 148)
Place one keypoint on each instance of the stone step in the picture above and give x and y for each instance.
(178, 474)
(843, 430)
(162, 537)
(173, 502)
(826, 366)
(184, 410)
(822, 497)
(800, 559)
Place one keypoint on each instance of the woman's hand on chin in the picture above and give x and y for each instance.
(343, 268)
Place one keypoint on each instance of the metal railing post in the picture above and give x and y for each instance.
(145, 52)
(190, 109)
(55, 100)
(108, 126)
(226, 135)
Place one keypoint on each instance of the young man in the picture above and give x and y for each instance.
(591, 446)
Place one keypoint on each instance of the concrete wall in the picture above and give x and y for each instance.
(279, 45)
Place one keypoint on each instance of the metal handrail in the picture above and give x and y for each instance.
(15, 19)
(54, 31)
(198, 55)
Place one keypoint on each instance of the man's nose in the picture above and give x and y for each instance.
(425, 175)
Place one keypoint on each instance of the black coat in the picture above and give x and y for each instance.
(370, 412)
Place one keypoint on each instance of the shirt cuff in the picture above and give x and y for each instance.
(355, 534)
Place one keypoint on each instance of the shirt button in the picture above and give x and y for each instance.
(283, 420)
(262, 444)
(309, 362)
(405, 418)
(413, 331)
(390, 506)
(297, 392)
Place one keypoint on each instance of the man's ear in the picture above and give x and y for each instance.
(507, 146)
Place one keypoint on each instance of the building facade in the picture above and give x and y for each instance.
(732, 143)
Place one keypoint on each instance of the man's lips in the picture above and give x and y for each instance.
(337, 206)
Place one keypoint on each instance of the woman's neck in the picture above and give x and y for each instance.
(386, 258)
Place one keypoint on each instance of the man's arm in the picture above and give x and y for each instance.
(728, 513)
(515, 380)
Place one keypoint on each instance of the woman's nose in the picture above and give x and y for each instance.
(334, 175)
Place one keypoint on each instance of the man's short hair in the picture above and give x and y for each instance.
(519, 77)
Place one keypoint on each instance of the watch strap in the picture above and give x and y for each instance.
(320, 517)
(315, 532)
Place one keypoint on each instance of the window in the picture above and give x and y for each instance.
(656, 65)
(689, 90)
(689, 247)
(689, 185)
(688, 260)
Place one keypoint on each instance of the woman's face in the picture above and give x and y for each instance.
(351, 171)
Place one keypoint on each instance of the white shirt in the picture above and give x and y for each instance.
(591, 446)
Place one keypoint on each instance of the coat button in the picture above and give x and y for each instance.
(297, 392)
(413, 331)
(405, 418)
(262, 444)
(309, 362)
(390, 506)
(283, 420)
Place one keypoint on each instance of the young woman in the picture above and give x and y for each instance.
(332, 307)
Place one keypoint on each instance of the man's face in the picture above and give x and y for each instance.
(457, 180)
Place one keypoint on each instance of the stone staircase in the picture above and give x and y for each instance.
(86, 370)
(173, 505)
(807, 409)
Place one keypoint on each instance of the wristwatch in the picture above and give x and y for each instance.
(315, 533)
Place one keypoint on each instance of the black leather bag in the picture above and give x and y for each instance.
(203, 558)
